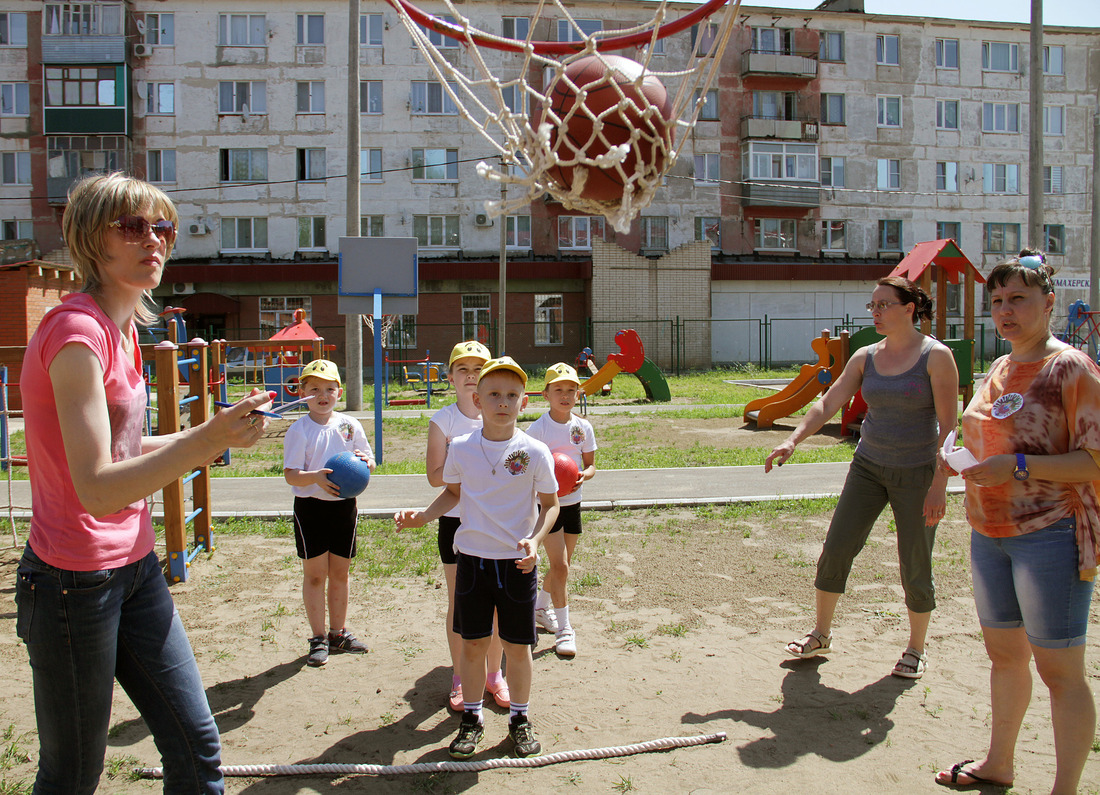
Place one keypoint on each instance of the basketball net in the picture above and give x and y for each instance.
(521, 130)
(387, 324)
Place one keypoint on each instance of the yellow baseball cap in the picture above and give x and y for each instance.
(561, 372)
(471, 348)
(502, 363)
(323, 369)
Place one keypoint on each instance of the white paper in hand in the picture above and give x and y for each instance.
(958, 458)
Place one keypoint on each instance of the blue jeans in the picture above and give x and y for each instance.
(85, 629)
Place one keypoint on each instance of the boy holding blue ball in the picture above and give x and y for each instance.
(324, 522)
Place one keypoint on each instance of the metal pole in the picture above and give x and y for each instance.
(353, 324)
(1094, 253)
(502, 287)
(1035, 236)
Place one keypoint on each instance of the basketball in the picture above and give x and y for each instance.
(349, 472)
(565, 472)
(603, 101)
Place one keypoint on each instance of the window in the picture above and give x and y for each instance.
(436, 231)
(13, 29)
(832, 109)
(402, 333)
(834, 236)
(999, 56)
(370, 97)
(160, 165)
(658, 47)
(1000, 117)
(947, 114)
(16, 168)
(514, 98)
(435, 165)
(243, 97)
(15, 99)
(17, 230)
(81, 86)
(889, 235)
(311, 165)
(832, 172)
(311, 96)
(775, 233)
(947, 177)
(949, 230)
(311, 233)
(278, 313)
(889, 174)
(1001, 238)
(709, 111)
(242, 30)
(768, 161)
(549, 319)
(244, 234)
(1056, 238)
(515, 28)
(703, 38)
(311, 29)
(778, 40)
(582, 28)
(437, 38)
(831, 47)
(889, 111)
(370, 30)
(1054, 60)
(578, 231)
(947, 53)
(887, 50)
(83, 19)
(1054, 120)
(707, 169)
(428, 97)
(774, 104)
(654, 229)
(370, 165)
(372, 226)
(517, 231)
(475, 317)
(708, 227)
(160, 99)
(1001, 178)
(160, 29)
(243, 165)
(1052, 179)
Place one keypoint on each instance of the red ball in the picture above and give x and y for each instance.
(580, 133)
(566, 472)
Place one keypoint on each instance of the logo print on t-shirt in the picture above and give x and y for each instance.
(1007, 405)
(576, 434)
(517, 462)
(346, 430)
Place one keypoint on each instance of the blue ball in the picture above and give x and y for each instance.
(349, 472)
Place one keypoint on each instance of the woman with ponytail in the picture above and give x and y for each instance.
(911, 387)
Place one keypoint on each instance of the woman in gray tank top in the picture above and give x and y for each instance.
(911, 387)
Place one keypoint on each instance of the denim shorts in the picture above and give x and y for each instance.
(1032, 581)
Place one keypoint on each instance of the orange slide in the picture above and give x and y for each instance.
(812, 380)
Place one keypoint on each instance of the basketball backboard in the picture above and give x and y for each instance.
(384, 264)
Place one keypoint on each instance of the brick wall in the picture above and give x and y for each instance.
(650, 294)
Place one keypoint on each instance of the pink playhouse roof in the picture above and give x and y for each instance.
(944, 253)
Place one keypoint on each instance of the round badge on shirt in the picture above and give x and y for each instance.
(1007, 405)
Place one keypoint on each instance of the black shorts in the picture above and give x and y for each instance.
(569, 519)
(484, 585)
(322, 526)
(448, 526)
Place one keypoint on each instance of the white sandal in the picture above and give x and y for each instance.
(805, 646)
(919, 666)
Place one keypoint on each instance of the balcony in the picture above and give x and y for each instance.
(777, 63)
(801, 129)
(83, 49)
(773, 194)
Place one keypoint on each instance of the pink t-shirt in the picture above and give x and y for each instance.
(62, 533)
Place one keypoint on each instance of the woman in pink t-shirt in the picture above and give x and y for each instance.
(93, 605)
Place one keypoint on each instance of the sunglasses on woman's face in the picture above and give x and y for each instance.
(134, 229)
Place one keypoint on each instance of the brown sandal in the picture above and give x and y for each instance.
(810, 645)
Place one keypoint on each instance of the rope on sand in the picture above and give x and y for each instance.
(249, 771)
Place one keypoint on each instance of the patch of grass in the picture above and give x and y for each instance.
(122, 767)
(674, 630)
(624, 784)
(637, 641)
(12, 753)
(589, 579)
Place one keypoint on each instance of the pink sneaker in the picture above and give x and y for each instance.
(500, 694)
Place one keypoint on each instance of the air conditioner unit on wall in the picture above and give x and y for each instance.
(482, 219)
(142, 50)
(197, 228)
(183, 288)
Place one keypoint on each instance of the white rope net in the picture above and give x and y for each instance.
(387, 324)
(524, 104)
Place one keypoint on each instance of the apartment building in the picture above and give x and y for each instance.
(833, 142)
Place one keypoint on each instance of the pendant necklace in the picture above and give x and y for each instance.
(492, 466)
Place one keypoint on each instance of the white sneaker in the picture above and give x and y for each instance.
(565, 644)
(545, 618)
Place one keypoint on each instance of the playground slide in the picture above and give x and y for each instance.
(811, 381)
(653, 381)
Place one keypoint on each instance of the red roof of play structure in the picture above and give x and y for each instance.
(944, 253)
(298, 330)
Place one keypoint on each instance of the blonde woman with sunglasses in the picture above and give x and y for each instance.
(911, 387)
(93, 605)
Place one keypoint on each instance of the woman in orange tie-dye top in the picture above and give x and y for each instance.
(1034, 427)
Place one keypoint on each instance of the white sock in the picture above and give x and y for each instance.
(563, 617)
(474, 707)
(542, 601)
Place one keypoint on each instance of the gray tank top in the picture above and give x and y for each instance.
(901, 429)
